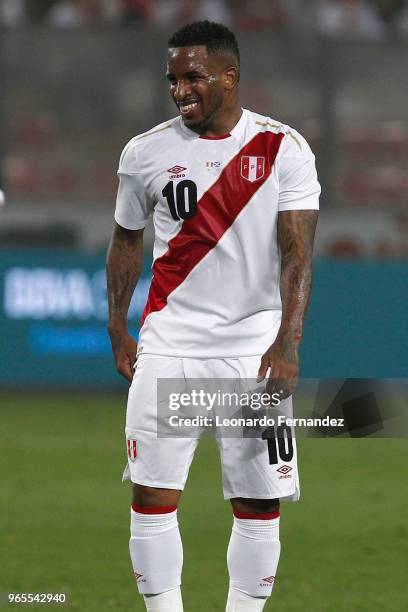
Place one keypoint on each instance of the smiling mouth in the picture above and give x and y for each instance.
(187, 107)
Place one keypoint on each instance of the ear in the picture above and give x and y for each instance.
(230, 78)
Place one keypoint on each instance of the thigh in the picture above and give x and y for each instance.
(154, 460)
(257, 468)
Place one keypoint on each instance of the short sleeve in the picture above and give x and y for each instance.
(133, 206)
(299, 188)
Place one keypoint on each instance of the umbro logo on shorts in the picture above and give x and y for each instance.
(269, 580)
(132, 449)
(284, 469)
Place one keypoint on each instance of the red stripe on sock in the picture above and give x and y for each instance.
(266, 516)
(153, 509)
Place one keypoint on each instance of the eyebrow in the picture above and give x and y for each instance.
(191, 73)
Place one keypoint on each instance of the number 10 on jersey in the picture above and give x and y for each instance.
(182, 201)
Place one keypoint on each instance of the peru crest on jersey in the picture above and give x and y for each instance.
(252, 168)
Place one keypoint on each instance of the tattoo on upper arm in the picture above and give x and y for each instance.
(296, 230)
(126, 236)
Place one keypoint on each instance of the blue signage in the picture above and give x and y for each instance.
(53, 319)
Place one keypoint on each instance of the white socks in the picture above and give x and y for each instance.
(253, 556)
(157, 556)
(170, 601)
(157, 559)
(241, 602)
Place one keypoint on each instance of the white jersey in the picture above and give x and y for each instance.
(215, 204)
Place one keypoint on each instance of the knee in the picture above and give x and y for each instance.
(151, 496)
(255, 506)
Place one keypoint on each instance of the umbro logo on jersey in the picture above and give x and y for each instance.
(269, 580)
(176, 171)
(252, 168)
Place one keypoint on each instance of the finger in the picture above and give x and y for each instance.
(284, 388)
(129, 365)
(277, 384)
(273, 386)
(132, 360)
(288, 383)
(263, 369)
(292, 386)
(126, 371)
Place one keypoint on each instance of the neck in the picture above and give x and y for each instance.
(223, 122)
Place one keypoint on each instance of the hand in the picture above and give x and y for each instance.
(124, 350)
(282, 359)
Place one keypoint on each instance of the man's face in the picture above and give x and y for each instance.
(197, 84)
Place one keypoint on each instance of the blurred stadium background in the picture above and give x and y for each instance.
(79, 78)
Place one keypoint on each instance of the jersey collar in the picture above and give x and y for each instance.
(236, 132)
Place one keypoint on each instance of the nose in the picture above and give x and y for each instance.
(182, 89)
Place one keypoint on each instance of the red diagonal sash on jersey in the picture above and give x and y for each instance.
(216, 212)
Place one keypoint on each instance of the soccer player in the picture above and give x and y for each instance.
(234, 197)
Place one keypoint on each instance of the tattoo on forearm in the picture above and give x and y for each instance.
(123, 267)
(296, 231)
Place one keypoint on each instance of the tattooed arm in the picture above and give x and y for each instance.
(296, 229)
(123, 266)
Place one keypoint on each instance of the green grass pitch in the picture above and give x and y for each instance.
(64, 516)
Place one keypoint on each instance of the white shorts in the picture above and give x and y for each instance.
(252, 467)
